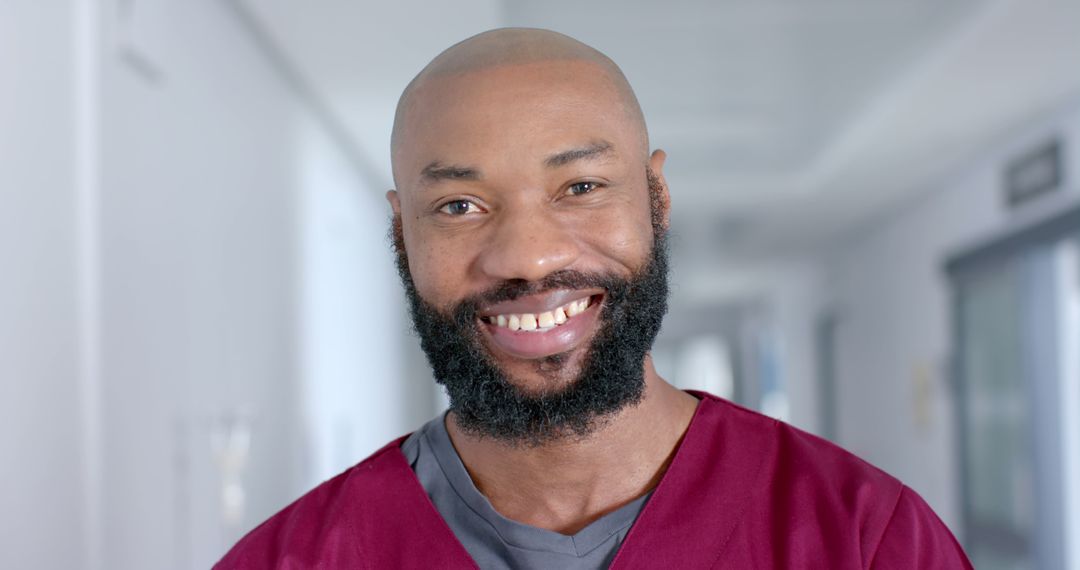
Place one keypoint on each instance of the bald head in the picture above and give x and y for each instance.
(510, 47)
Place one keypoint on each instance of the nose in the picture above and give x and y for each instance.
(528, 245)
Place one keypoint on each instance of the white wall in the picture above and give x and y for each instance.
(245, 274)
(198, 278)
(40, 463)
(158, 167)
(892, 301)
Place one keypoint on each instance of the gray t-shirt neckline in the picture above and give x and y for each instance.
(492, 539)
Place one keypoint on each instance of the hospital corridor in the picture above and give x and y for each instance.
(874, 236)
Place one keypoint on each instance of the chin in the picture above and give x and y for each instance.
(545, 376)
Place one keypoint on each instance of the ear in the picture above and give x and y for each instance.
(395, 201)
(656, 165)
(397, 234)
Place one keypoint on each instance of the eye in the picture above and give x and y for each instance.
(580, 188)
(459, 208)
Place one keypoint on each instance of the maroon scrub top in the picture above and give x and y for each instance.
(743, 491)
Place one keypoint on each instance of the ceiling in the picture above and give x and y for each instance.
(787, 123)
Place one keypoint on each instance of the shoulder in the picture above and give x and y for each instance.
(315, 530)
(804, 479)
(916, 538)
(795, 456)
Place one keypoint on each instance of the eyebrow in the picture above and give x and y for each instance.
(591, 151)
(437, 171)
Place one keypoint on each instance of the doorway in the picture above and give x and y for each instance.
(1016, 376)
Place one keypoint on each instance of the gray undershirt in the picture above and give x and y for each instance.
(493, 540)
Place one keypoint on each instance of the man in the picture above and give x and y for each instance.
(529, 224)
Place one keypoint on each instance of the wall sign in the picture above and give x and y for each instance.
(1034, 174)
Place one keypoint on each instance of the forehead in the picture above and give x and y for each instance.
(514, 112)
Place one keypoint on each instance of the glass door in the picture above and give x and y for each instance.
(1016, 350)
(997, 457)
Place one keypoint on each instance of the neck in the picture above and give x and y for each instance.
(564, 485)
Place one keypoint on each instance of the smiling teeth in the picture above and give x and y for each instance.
(545, 320)
(542, 321)
(528, 322)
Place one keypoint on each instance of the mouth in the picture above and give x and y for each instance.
(543, 325)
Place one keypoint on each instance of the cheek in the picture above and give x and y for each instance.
(624, 234)
(437, 266)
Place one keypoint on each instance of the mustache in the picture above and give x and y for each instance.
(512, 289)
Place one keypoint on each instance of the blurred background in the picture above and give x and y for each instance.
(876, 226)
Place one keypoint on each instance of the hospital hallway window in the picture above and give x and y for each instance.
(730, 351)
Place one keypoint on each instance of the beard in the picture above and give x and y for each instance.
(487, 402)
